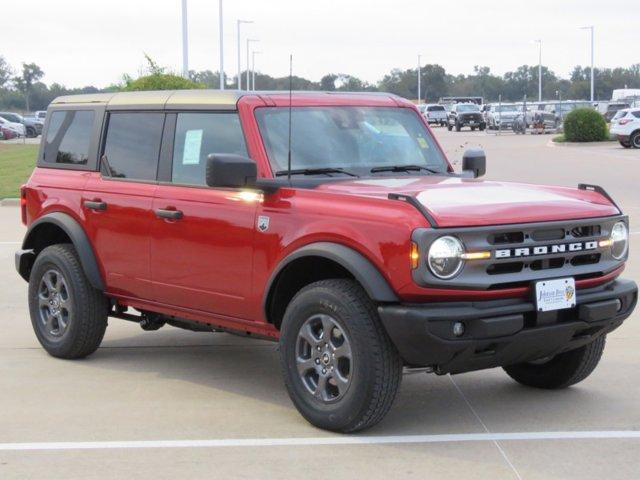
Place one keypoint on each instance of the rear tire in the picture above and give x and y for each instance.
(634, 140)
(339, 366)
(449, 127)
(68, 315)
(561, 371)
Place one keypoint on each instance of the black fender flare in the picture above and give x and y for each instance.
(79, 239)
(354, 262)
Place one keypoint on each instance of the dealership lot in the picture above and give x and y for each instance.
(223, 395)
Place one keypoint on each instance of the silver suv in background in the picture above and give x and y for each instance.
(501, 115)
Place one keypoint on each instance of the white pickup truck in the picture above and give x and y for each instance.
(434, 113)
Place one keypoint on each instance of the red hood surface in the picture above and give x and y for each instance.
(457, 202)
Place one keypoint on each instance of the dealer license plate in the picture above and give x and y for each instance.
(555, 294)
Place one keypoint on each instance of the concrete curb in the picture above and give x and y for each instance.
(10, 202)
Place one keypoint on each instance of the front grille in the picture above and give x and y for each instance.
(524, 253)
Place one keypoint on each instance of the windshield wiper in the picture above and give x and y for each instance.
(404, 168)
(314, 171)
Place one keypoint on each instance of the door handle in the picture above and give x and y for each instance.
(95, 204)
(172, 214)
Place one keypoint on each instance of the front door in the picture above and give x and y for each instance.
(202, 237)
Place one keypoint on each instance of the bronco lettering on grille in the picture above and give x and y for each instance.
(545, 249)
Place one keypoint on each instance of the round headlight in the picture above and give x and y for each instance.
(619, 240)
(445, 257)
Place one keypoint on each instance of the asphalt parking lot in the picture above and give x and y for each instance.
(218, 403)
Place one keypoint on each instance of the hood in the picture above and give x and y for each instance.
(458, 202)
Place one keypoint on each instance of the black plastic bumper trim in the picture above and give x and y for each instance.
(503, 332)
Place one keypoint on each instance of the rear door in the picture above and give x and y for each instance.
(117, 201)
(201, 256)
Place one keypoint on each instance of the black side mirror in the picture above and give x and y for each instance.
(474, 161)
(228, 170)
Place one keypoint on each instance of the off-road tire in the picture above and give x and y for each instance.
(561, 371)
(87, 321)
(377, 368)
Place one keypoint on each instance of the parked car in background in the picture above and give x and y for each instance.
(613, 108)
(537, 121)
(501, 115)
(560, 109)
(17, 129)
(435, 114)
(465, 115)
(32, 127)
(625, 125)
(40, 115)
(7, 133)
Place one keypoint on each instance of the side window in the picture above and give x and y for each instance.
(197, 136)
(636, 114)
(132, 145)
(69, 137)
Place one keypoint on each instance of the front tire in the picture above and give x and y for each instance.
(560, 371)
(458, 127)
(625, 144)
(339, 366)
(68, 315)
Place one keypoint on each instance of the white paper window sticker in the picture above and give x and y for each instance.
(192, 145)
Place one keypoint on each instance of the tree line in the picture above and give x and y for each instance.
(22, 89)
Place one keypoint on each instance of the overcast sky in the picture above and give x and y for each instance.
(93, 42)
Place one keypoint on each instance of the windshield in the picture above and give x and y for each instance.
(468, 108)
(435, 108)
(355, 139)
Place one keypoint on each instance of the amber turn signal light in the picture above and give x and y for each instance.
(414, 256)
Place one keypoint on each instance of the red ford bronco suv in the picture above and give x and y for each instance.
(332, 223)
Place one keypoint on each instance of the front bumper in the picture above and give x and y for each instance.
(503, 332)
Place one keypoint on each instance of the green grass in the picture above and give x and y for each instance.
(561, 139)
(16, 164)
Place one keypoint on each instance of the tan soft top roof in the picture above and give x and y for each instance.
(199, 99)
(161, 99)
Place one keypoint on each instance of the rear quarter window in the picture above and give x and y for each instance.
(68, 138)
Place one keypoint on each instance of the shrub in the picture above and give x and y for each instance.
(161, 81)
(585, 125)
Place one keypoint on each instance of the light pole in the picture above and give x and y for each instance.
(249, 42)
(419, 92)
(590, 27)
(185, 41)
(253, 69)
(221, 45)
(239, 22)
(539, 42)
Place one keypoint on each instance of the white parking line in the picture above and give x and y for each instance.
(332, 440)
